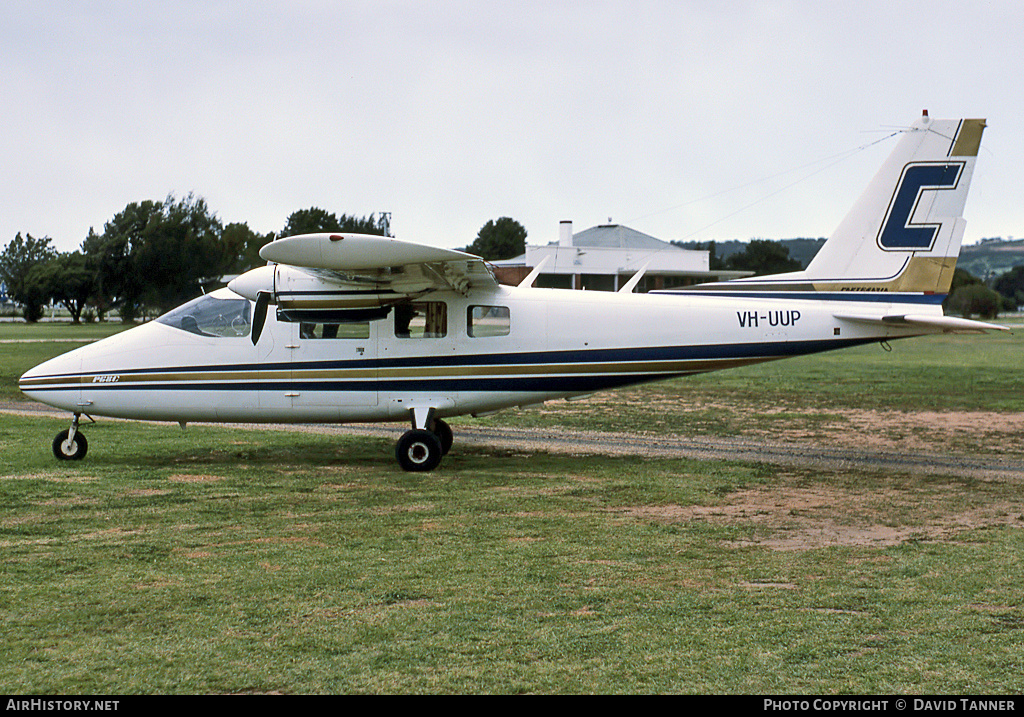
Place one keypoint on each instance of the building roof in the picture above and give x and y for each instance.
(611, 250)
(607, 236)
(618, 236)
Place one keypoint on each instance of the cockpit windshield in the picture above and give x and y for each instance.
(220, 314)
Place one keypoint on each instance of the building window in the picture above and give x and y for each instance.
(554, 281)
(597, 282)
(421, 320)
(488, 321)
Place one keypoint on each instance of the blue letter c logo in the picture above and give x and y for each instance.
(897, 232)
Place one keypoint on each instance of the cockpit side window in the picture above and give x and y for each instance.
(212, 316)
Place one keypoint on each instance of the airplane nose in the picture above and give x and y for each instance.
(56, 382)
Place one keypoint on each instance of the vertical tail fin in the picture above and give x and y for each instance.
(904, 233)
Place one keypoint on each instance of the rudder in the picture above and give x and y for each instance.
(904, 233)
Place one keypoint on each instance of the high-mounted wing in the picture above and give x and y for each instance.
(354, 252)
(353, 277)
(362, 259)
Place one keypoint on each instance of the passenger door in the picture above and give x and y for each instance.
(318, 371)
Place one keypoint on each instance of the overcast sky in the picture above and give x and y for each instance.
(684, 120)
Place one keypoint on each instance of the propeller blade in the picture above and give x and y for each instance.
(259, 316)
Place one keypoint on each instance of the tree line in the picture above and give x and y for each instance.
(150, 256)
(157, 255)
(968, 294)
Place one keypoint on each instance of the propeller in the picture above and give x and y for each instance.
(259, 316)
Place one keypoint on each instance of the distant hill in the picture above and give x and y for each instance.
(803, 250)
(991, 257)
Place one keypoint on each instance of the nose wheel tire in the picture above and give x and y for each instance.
(418, 450)
(70, 450)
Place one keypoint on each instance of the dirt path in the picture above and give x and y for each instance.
(806, 453)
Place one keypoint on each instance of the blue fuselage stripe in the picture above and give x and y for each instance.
(876, 297)
(565, 370)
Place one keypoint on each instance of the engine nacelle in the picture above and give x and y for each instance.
(302, 296)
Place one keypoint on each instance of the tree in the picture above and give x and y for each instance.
(1011, 285)
(502, 239)
(318, 221)
(178, 251)
(158, 254)
(971, 299)
(16, 262)
(762, 256)
(109, 255)
(95, 260)
(67, 279)
(378, 226)
(243, 245)
(310, 221)
(961, 278)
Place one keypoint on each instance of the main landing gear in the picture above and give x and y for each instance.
(418, 450)
(70, 445)
(422, 448)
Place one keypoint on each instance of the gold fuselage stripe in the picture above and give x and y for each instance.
(199, 378)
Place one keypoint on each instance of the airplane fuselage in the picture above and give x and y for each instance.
(461, 355)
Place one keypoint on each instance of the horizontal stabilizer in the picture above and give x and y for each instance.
(945, 324)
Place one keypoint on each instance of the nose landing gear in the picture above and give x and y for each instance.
(70, 445)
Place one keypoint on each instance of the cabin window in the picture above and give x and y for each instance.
(212, 316)
(421, 320)
(488, 321)
(357, 330)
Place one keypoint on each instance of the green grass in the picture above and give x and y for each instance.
(233, 561)
(944, 372)
(217, 561)
(59, 331)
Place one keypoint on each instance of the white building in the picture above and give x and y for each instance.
(605, 257)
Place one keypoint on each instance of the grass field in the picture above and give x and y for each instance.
(222, 561)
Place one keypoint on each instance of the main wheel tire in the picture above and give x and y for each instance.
(74, 450)
(418, 451)
(444, 434)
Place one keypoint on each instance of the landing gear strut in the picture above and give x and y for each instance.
(70, 445)
(421, 449)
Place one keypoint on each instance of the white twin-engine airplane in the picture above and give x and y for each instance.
(369, 328)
